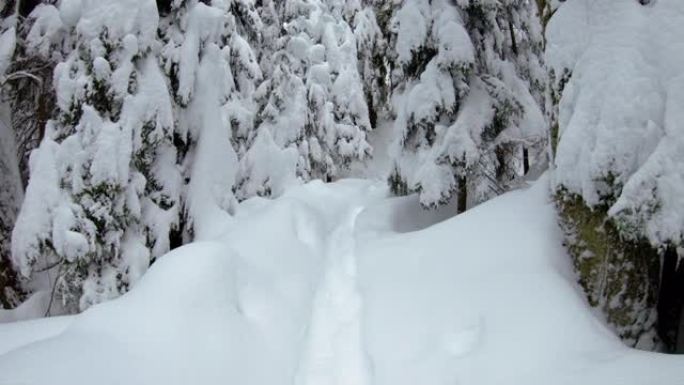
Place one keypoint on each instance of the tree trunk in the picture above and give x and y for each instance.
(462, 195)
(526, 161)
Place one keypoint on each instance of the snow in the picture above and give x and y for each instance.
(118, 18)
(339, 284)
(34, 307)
(203, 23)
(18, 334)
(625, 60)
(213, 169)
(413, 28)
(105, 183)
(47, 29)
(462, 90)
(334, 352)
(314, 99)
(268, 166)
(39, 199)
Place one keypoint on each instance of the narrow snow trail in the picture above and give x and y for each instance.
(335, 353)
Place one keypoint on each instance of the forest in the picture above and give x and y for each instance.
(345, 192)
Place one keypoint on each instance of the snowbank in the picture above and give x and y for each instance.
(337, 284)
(487, 298)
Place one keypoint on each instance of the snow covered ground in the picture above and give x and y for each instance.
(339, 284)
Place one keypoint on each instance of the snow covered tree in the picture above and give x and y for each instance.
(465, 82)
(103, 194)
(214, 73)
(371, 45)
(40, 43)
(313, 118)
(618, 162)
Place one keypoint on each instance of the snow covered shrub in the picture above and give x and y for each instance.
(619, 152)
(468, 86)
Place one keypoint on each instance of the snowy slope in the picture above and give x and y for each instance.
(338, 284)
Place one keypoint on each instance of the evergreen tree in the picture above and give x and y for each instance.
(103, 194)
(617, 173)
(30, 46)
(214, 74)
(313, 119)
(372, 47)
(461, 95)
(40, 43)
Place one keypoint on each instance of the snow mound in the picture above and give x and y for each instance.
(178, 326)
(325, 286)
(488, 297)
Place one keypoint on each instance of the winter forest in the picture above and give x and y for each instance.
(342, 192)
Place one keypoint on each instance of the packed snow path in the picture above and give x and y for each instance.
(339, 284)
(335, 352)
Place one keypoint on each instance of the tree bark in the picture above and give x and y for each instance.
(462, 195)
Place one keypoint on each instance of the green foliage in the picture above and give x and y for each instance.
(556, 92)
(619, 276)
(10, 293)
(419, 60)
(397, 184)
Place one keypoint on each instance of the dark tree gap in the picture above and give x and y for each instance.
(671, 302)
(27, 6)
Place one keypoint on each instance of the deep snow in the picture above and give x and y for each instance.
(339, 284)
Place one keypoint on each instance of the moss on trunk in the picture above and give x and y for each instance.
(11, 294)
(619, 276)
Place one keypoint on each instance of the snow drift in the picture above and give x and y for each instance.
(330, 284)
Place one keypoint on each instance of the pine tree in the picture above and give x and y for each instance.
(29, 46)
(40, 43)
(464, 112)
(103, 194)
(617, 175)
(214, 74)
(371, 43)
(312, 119)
